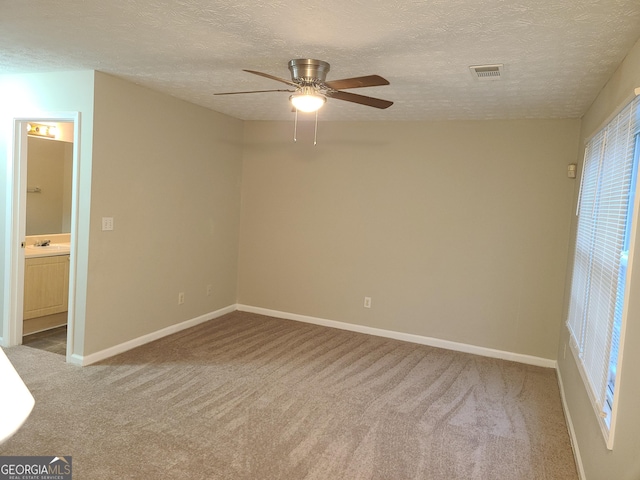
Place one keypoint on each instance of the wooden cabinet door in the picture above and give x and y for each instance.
(46, 286)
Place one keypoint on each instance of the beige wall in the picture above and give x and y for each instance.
(67, 185)
(168, 172)
(457, 230)
(623, 462)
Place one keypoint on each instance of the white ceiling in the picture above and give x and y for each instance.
(557, 54)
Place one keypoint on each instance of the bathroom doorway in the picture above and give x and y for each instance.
(48, 235)
(43, 239)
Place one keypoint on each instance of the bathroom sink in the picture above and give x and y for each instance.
(53, 246)
(47, 250)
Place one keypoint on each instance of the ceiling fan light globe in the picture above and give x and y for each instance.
(308, 102)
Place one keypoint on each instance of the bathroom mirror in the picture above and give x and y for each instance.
(49, 176)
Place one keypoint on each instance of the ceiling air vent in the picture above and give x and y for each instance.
(487, 72)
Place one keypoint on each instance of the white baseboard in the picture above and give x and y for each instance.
(379, 332)
(74, 359)
(572, 432)
(407, 337)
(150, 337)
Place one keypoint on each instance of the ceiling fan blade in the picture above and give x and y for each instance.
(361, 99)
(272, 77)
(253, 91)
(357, 82)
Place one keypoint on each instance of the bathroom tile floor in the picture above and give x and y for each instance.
(54, 340)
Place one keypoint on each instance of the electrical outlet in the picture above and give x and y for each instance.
(209, 290)
(367, 302)
(180, 298)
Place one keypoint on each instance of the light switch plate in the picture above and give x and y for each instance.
(107, 223)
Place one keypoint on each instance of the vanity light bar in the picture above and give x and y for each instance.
(40, 130)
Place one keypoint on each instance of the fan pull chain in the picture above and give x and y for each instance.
(315, 133)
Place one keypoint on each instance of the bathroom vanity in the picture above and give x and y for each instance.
(46, 287)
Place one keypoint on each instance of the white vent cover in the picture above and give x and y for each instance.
(487, 72)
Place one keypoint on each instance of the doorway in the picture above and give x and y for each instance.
(48, 235)
(41, 237)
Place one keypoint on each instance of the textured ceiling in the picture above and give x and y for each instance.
(557, 54)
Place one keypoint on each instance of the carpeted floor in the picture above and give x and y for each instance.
(249, 397)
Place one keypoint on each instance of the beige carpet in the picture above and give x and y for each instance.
(254, 397)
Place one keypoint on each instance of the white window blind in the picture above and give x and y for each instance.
(599, 269)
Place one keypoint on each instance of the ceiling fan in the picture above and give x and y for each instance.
(311, 90)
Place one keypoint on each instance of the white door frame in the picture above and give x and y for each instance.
(16, 224)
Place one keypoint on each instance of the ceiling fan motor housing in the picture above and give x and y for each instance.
(308, 70)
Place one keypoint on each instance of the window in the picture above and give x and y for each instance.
(605, 212)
